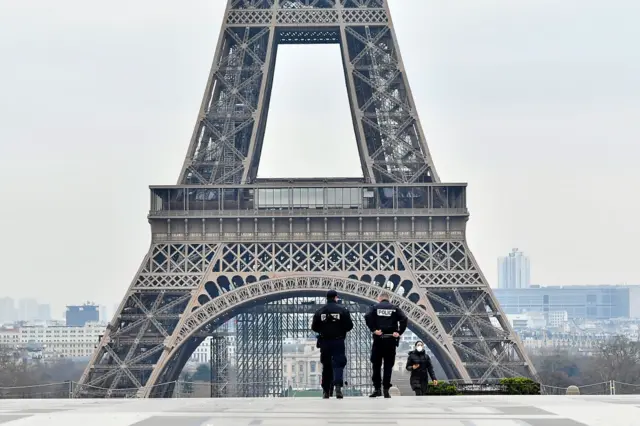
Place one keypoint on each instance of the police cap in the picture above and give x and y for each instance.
(332, 294)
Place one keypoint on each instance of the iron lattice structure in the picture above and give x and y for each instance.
(261, 330)
(223, 240)
(259, 349)
(219, 362)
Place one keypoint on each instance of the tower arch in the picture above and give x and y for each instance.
(229, 304)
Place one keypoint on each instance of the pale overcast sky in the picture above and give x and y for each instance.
(534, 103)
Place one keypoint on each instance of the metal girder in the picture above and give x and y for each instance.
(192, 282)
(129, 367)
(132, 342)
(228, 137)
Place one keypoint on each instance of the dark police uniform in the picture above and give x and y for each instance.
(389, 319)
(332, 322)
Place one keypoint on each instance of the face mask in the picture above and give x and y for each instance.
(419, 348)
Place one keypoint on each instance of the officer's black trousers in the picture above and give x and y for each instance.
(383, 353)
(333, 360)
(327, 369)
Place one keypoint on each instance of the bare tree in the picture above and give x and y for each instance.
(13, 370)
(618, 359)
(24, 377)
(559, 368)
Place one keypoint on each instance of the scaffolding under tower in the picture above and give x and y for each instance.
(219, 362)
(261, 331)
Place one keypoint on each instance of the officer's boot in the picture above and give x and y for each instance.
(387, 394)
(339, 394)
(376, 393)
(325, 394)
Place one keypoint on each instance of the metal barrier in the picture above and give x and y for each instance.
(602, 388)
(185, 389)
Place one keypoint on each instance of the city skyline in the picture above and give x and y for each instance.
(31, 309)
(485, 102)
(107, 310)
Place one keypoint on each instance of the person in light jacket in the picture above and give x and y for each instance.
(419, 364)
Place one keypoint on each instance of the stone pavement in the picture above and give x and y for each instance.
(399, 411)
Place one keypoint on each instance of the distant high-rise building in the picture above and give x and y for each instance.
(27, 309)
(78, 316)
(514, 270)
(44, 312)
(8, 312)
(104, 314)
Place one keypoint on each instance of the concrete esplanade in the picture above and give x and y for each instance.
(400, 411)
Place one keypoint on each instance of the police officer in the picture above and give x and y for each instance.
(332, 322)
(387, 323)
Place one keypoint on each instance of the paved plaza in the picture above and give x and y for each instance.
(400, 411)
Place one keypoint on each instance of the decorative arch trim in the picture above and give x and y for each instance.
(279, 288)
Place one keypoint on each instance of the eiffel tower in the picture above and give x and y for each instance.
(224, 241)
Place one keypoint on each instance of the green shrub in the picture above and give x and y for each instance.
(520, 386)
(443, 388)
